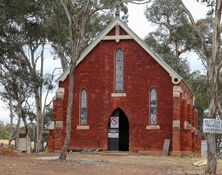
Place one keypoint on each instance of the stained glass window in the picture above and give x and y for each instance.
(119, 70)
(153, 106)
(83, 107)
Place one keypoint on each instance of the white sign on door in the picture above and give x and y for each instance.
(212, 126)
(113, 133)
(114, 122)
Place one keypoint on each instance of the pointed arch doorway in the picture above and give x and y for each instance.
(118, 131)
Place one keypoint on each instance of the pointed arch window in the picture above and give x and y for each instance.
(153, 107)
(83, 107)
(119, 70)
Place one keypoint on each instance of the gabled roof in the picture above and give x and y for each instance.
(176, 78)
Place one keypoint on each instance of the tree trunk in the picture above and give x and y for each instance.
(61, 56)
(39, 124)
(17, 132)
(74, 56)
(211, 155)
(117, 13)
(213, 68)
(211, 139)
(75, 53)
(25, 125)
(213, 71)
(175, 63)
(63, 153)
(11, 118)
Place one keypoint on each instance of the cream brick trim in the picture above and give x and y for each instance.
(58, 124)
(118, 95)
(176, 94)
(51, 125)
(82, 127)
(176, 91)
(176, 124)
(152, 126)
(117, 37)
(60, 93)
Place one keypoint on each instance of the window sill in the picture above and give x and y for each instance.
(82, 127)
(152, 126)
(118, 94)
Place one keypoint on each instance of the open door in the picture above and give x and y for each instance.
(118, 131)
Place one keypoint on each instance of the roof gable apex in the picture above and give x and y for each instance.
(176, 78)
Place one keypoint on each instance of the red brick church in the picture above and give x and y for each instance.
(125, 98)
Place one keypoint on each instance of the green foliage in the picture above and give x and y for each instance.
(47, 117)
(164, 50)
(95, 25)
(58, 32)
(205, 26)
(32, 131)
(174, 35)
(4, 130)
(162, 12)
(47, 120)
(199, 86)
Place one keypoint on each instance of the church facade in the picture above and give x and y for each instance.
(126, 98)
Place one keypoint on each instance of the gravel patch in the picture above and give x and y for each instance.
(71, 159)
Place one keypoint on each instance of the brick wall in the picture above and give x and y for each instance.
(141, 72)
(187, 135)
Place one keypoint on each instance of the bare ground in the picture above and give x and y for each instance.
(99, 164)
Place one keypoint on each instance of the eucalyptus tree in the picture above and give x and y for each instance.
(198, 83)
(34, 41)
(174, 34)
(13, 78)
(28, 21)
(33, 52)
(16, 90)
(213, 58)
(58, 33)
(160, 46)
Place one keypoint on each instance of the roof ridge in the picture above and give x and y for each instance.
(176, 78)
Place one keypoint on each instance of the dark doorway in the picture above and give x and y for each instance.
(118, 131)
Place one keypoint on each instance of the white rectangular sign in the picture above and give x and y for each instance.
(212, 126)
(114, 122)
(113, 133)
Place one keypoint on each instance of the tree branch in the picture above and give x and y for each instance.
(203, 43)
(220, 64)
(139, 2)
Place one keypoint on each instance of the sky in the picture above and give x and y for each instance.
(139, 24)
